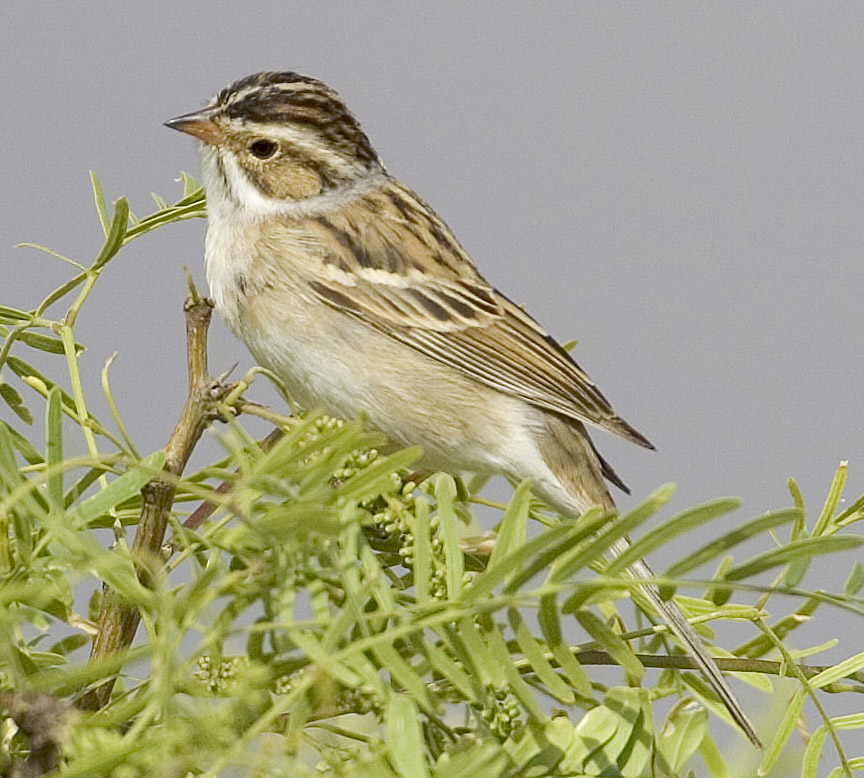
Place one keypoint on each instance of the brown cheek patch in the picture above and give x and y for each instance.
(294, 182)
(287, 181)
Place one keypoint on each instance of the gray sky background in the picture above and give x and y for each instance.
(679, 186)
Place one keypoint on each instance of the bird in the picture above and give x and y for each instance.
(342, 281)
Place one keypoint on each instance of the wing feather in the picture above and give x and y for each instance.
(419, 287)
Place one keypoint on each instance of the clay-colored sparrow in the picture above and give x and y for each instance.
(346, 284)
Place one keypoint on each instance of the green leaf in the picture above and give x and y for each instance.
(190, 186)
(611, 643)
(795, 491)
(534, 653)
(731, 539)
(713, 758)
(762, 644)
(512, 566)
(682, 734)
(717, 594)
(445, 494)
(61, 291)
(455, 675)
(46, 343)
(27, 372)
(501, 655)
(14, 400)
(9, 475)
(114, 236)
(94, 605)
(614, 738)
(670, 529)
(588, 755)
(422, 550)
(852, 721)
(405, 737)
(587, 525)
(54, 450)
(101, 205)
(13, 314)
(82, 484)
(832, 500)
(855, 512)
(70, 644)
(847, 667)
(403, 674)
(476, 652)
(783, 733)
(375, 478)
(633, 708)
(533, 752)
(569, 564)
(29, 507)
(50, 253)
(120, 489)
(824, 526)
(799, 528)
(855, 580)
(797, 549)
(813, 752)
(455, 647)
(480, 759)
(282, 522)
(707, 696)
(22, 445)
(550, 626)
(511, 532)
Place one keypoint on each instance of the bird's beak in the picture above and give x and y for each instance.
(200, 124)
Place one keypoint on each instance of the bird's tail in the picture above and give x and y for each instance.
(579, 469)
(690, 641)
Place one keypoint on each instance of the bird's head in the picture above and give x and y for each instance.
(273, 139)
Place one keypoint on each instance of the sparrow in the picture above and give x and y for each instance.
(347, 285)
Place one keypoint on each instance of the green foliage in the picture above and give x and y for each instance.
(332, 617)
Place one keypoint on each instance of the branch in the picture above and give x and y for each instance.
(728, 664)
(118, 621)
(206, 508)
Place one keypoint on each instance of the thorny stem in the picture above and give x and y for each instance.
(118, 622)
(205, 510)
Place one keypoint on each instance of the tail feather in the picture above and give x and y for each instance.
(691, 642)
(579, 471)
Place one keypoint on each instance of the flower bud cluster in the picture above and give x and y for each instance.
(217, 678)
(500, 710)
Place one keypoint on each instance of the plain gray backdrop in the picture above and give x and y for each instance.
(679, 186)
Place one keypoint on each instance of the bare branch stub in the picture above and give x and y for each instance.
(43, 719)
(118, 621)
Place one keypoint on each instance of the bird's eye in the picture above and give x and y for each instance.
(263, 149)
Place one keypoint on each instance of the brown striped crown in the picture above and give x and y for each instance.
(289, 98)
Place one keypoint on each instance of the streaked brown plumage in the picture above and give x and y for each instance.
(352, 289)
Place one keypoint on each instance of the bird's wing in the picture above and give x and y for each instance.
(420, 288)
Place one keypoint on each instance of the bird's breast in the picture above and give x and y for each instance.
(260, 278)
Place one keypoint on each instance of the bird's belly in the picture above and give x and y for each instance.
(333, 362)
